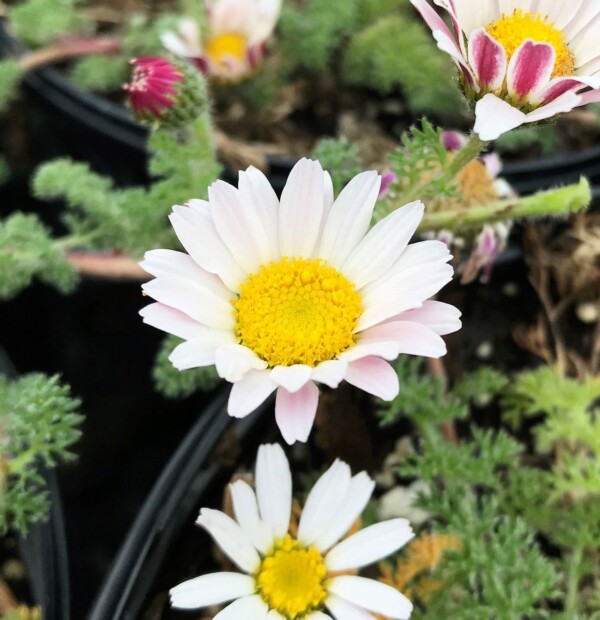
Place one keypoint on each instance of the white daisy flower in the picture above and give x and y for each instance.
(237, 34)
(298, 577)
(280, 295)
(523, 61)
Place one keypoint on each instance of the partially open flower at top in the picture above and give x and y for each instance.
(280, 295)
(237, 34)
(522, 60)
(305, 576)
(153, 88)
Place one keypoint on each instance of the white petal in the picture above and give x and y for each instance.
(239, 227)
(200, 351)
(211, 589)
(330, 373)
(174, 44)
(375, 376)
(328, 193)
(235, 360)
(292, 378)
(295, 412)
(244, 608)
(442, 318)
(231, 538)
(245, 508)
(172, 321)
(383, 244)
(343, 610)
(565, 103)
(494, 116)
(250, 392)
(192, 298)
(318, 615)
(324, 502)
(301, 210)
(273, 615)
(260, 195)
(358, 495)
(369, 545)
(349, 218)
(387, 349)
(274, 488)
(199, 237)
(372, 595)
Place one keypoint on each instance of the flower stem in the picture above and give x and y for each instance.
(572, 599)
(470, 151)
(557, 202)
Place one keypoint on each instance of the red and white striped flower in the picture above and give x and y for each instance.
(281, 295)
(522, 61)
(306, 575)
(238, 31)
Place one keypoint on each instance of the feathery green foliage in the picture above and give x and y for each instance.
(101, 73)
(27, 250)
(39, 424)
(310, 33)
(10, 76)
(396, 51)
(174, 383)
(38, 22)
(340, 158)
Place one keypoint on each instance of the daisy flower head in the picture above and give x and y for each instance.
(282, 294)
(305, 576)
(238, 31)
(522, 61)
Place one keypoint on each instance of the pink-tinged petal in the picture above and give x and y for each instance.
(530, 69)
(197, 233)
(231, 538)
(559, 86)
(235, 360)
(193, 299)
(593, 96)
(211, 589)
(295, 412)
(372, 595)
(560, 105)
(200, 351)
(250, 392)
(247, 607)
(494, 116)
(172, 321)
(261, 197)
(330, 373)
(442, 318)
(410, 337)
(369, 545)
(375, 376)
(343, 610)
(238, 225)
(383, 244)
(349, 218)
(488, 60)
(292, 378)
(468, 16)
(301, 210)
(493, 164)
(387, 349)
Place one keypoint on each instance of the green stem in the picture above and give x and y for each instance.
(70, 242)
(470, 151)
(572, 599)
(562, 201)
(19, 463)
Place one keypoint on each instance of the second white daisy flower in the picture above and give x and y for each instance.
(281, 295)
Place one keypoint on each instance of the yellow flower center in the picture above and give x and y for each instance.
(222, 48)
(512, 30)
(297, 311)
(291, 579)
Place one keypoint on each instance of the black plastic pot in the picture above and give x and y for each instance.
(105, 134)
(168, 508)
(44, 548)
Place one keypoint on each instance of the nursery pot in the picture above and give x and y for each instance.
(44, 548)
(171, 505)
(99, 131)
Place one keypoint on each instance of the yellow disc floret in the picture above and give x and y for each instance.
(291, 579)
(512, 30)
(223, 48)
(297, 311)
